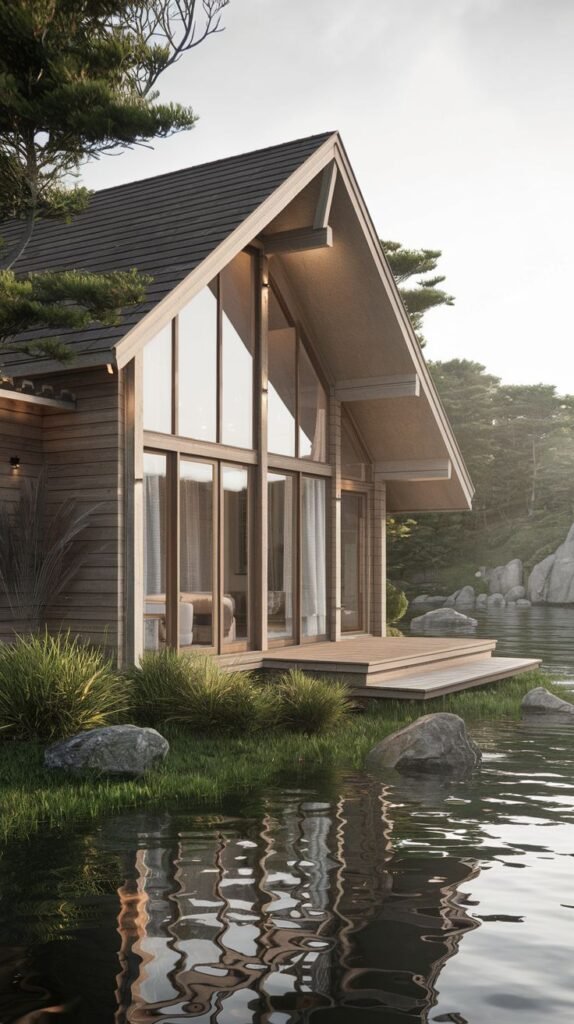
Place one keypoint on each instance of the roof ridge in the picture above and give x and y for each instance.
(210, 163)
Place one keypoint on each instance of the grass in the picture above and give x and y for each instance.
(202, 771)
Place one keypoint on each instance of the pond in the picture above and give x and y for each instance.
(537, 632)
(340, 900)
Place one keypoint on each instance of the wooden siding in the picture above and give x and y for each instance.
(84, 455)
(82, 452)
(20, 435)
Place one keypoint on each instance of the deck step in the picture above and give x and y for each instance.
(449, 678)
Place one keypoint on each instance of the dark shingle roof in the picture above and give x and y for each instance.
(165, 226)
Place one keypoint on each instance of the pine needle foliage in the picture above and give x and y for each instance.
(54, 686)
(78, 79)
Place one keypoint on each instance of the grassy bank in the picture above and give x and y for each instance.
(204, 772)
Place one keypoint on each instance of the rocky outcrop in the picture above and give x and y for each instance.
(496, 601)
(523, 602)
(465, 598)
(125, 750)
(504, 577)
(552, 580)
(541, 702)
(442, 619)
(435, 744)
(481, 602)
(515, 594)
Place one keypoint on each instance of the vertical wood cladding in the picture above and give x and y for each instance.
(83, 455)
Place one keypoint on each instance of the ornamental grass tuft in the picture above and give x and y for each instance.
(310, 705)
(194, 692)
(55, 686)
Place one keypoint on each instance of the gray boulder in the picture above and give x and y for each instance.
(496, 601)
(421, 599)
(494, 577)
(541, 702)
(523, 603)
(435, 744)
(450, 601)
(560, 589)
(538, 580)
(437, 601)
(124, 750)
(512, 576)
(481, 601)
(442, 619)
(515, 594)
(465, 598)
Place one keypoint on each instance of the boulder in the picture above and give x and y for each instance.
(435, 744)
(449, 603)
(494, 577)
(481, 601)
(511, 576)
(421, 599)
(496, 601)
(540, 701)
(523, 603)
(441, 620)
(126, 750)
(515, 594)
(560, 585)
(538, 580)
(435, 602)
(465, 598)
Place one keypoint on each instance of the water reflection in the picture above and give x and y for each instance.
(352, 901)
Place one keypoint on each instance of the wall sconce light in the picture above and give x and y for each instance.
(15, 462)
(110, 369)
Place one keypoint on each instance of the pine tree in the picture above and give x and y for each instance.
(77, 80)
(408, 263)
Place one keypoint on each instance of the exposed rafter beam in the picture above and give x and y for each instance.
(414, 470)
(328, 179)
(361, 389)
(297, 240)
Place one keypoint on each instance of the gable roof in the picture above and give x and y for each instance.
(165, 226)
(182, 228)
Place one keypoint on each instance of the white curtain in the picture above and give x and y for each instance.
(280, 553)
(314, 557)
(154, 523)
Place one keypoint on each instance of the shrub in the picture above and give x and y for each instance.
(55, 686)
(195, 692)
(311, 705)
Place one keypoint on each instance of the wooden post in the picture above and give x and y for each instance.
(335, 520)
(133, 531)
(261, 400)
(379, 548)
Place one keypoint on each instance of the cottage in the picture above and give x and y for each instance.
(241, 436)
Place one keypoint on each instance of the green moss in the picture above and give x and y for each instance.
(206, 771)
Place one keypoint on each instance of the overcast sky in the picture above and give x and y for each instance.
(457, 116)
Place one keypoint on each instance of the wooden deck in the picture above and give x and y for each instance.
(409, 668)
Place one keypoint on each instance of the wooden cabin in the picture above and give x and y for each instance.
(241, 436)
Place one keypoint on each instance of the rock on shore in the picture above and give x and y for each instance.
(434, 744)
(441, 619)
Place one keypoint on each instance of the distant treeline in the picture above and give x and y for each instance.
(518, 444)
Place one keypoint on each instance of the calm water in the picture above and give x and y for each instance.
(538, 632)
(343, 901)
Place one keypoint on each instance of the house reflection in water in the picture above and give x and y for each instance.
(315, 917)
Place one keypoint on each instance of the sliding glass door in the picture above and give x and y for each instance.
(196, 554)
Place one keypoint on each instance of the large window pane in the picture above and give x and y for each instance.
(235, 608)
(280, 555)
(313, 556)
(282, 402)
(238, 336)
(157, 382)
(312, 412)
(197, 604)
(197, 371)
(155, 533)
(352, 561)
